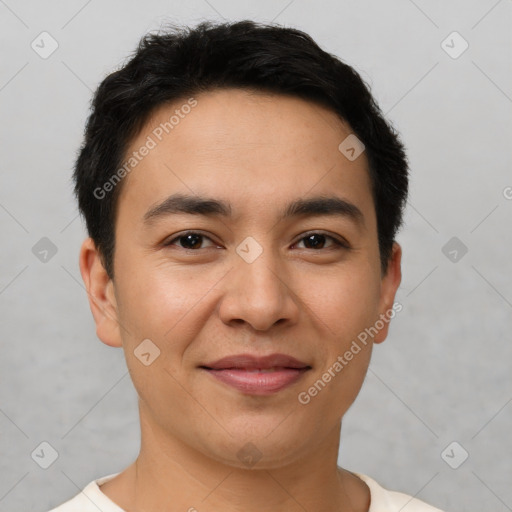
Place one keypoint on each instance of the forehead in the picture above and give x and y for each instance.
(257, 148)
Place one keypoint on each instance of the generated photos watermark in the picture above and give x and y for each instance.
(304, 397)
(152, 141)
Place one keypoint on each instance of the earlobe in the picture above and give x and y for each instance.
(100, 293)
(389, 286)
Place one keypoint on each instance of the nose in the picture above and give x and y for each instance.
(259, 293)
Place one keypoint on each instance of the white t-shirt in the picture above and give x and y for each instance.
(91, 499)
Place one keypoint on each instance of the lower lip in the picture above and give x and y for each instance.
(258, 383)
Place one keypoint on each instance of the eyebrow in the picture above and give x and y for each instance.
(209, 207)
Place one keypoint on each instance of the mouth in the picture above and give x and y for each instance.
(257, 375)
(264, 381)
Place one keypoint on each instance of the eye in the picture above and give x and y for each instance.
(317, 241)
(190, 240)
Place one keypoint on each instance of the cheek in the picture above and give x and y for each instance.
(346, 301)
(334, 389)
(170, 307)
(345, 307)
(156, 300)
(346, 304)
(162, 307)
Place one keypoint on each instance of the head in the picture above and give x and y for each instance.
(298, 185)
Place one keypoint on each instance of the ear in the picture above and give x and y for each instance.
(389, 285)
(100, 291)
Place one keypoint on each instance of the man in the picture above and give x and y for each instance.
(242, 193)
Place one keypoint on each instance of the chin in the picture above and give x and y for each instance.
(262, 446)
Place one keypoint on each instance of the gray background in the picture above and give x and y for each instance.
(443, 375)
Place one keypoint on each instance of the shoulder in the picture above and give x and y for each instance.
(90, 499)
(384, 500)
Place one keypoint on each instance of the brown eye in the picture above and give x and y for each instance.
(317, 241)
(190, 240)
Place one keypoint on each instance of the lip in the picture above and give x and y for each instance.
(256, 382)
(251, 362)
(243, 372)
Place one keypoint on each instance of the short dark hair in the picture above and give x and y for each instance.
(184, 61)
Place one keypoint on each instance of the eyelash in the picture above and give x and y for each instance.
(339, 243)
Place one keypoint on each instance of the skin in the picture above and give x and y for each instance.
(258, 151)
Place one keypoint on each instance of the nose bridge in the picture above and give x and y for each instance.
(259, 268)
(255, 291)
(262, 272)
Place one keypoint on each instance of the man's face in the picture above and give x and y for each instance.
(255, 282)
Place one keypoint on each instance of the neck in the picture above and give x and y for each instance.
(172, 476)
